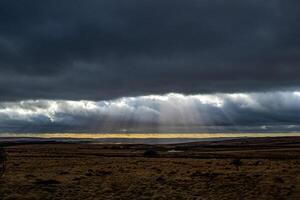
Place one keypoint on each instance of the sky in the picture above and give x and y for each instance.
(149, 65)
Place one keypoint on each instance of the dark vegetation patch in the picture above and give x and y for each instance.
(150, 153)
(2, 161)
(63, 173)
(236, 162)
(209, 175)
(47, 182)
(91, 172)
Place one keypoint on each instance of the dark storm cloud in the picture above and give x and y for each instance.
(106, 49)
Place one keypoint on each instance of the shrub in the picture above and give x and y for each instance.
(150, 153)
(236, 162)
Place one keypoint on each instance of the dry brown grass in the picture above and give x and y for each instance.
(2, 161)
(60, 171)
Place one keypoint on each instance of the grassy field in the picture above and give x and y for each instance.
(258, 168)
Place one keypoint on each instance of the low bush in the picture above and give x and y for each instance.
(150, 153)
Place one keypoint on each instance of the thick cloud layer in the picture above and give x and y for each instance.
(172, 112)
(97, 50)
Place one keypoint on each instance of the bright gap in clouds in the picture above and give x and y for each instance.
(239, 112)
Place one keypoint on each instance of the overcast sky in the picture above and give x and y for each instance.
(70, 63)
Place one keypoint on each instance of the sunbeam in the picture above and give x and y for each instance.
(157, 113)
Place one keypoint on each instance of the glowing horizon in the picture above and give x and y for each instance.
(145, 135)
